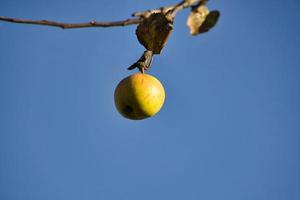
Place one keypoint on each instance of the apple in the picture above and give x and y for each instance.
(139, 96)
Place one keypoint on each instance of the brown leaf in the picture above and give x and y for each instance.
(196, 19)
(210, 21)
(154, 31)
(201, 20)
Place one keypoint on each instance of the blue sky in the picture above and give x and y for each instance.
(229, 129)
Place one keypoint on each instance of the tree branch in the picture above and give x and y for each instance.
(138, 16)
(72, 25)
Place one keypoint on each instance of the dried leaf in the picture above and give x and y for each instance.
(201, 20)
(154, 31)
(210, 21)
(196, 19)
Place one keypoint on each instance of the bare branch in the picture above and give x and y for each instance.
(173, 9)
(186, 4)
(72, 25)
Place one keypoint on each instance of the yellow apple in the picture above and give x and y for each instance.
(139, 96)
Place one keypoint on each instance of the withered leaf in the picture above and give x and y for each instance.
(210, 21)
(196, 19)
(154, 31)
(202, 20)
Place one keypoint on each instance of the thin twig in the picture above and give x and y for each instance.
(138, 16)
(186, 4)
(72, 25)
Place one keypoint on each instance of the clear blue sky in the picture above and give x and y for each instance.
(229, 129)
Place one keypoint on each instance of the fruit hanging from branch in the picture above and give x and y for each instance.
(140, 96)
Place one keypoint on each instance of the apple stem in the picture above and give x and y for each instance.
(144, 62)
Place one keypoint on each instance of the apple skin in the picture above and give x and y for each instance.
(139, 96)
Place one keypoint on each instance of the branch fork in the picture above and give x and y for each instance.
(153, 30)
(136, 18)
